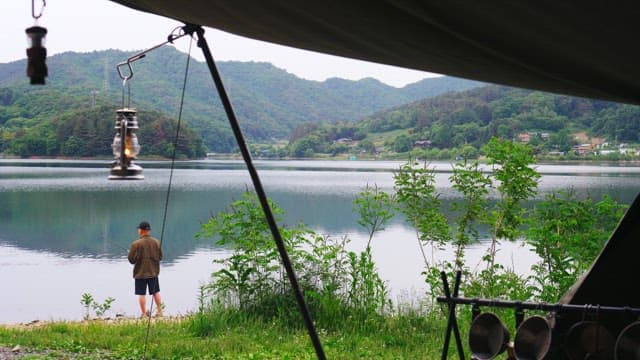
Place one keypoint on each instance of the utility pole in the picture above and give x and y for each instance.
(105, 84)
(93, 97)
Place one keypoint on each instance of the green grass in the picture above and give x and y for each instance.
(223, 335)
(380, 137)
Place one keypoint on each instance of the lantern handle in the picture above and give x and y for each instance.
(33, 9)
(125, 77)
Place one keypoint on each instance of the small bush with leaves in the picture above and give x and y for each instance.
(337, 284)
(253, 278)
(90, 304)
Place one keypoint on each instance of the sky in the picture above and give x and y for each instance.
(88, 25)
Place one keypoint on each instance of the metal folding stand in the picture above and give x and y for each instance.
(452, 322)
(558, 309)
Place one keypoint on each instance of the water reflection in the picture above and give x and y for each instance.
(76, 211)
(66, 221)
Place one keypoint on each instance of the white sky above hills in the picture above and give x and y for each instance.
(88, 25)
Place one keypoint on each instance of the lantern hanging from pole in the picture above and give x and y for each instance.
(36, 53)
(125, 142)
(125, 147)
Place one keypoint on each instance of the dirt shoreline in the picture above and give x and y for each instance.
(7, 353)
(115, 321)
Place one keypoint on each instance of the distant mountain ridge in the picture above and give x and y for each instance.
(268, 101)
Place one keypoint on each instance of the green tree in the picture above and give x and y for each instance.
(368, 292)
(306, 147)
(560, 141)
(468, 152)
(375, 209)
(420, 203)
(516, 181)
(567, 234)
(248, 273)
(621, 123)
(467, 133)
(29, 145)
(302, 130)
(367, 146)
(441, 135)
(73, 147)
(338, 148)
(252, 278)
(402, 143)
(473, 185)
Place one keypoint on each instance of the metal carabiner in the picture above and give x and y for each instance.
(33, 9)
(123, 77)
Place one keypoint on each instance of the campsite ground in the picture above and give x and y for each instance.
(408, 337)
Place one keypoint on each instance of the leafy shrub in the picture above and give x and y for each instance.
(253, 280)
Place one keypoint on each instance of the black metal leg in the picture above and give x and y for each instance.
(456, 330)
(452, 323)
(447, 334)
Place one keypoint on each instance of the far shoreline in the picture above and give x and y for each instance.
(237, 157)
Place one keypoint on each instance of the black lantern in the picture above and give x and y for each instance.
(125, 147)
(36, 55)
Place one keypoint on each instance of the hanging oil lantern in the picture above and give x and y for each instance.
(36, 53)
(125, 147)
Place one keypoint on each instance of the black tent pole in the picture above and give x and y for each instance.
(246, 155)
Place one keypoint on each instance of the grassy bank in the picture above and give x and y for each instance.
(227, 336)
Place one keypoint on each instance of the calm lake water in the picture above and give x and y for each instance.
(64, 228)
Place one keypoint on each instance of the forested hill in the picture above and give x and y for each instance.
(472, 117)
(460, 123)
(269, 101)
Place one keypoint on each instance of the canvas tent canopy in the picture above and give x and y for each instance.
(575, 48)
(586, 49)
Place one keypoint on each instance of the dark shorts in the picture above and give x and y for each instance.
(153, 284)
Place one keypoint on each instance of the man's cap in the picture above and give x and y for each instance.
(144, 226)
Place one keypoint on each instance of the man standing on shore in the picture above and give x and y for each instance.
(145, 254)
